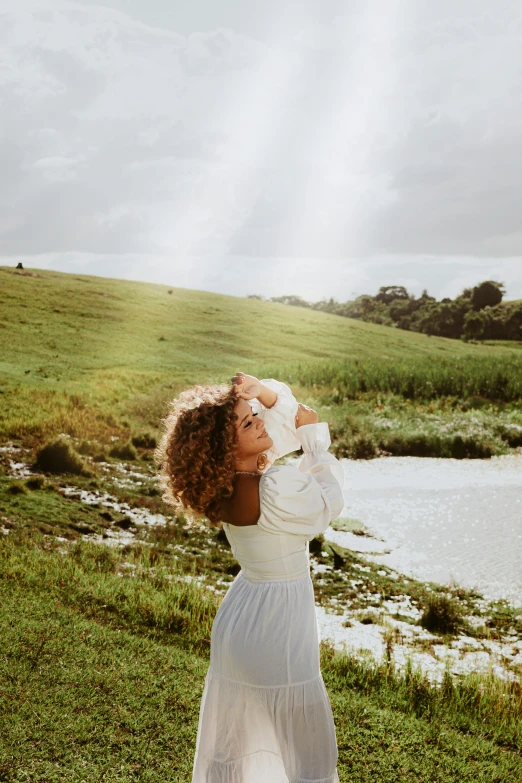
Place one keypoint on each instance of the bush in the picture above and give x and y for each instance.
(59, 456)
(144, 441)
(363, 447)
(468, 448)
(441, 615)
(476, 403)
(512, 435)
(427, 445)
(36, 482)
(356, 445)
(123, 451)
(16, 488)
(87, 448)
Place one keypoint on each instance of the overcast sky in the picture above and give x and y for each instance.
(321, 148)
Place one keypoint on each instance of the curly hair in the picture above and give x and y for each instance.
(197, 450)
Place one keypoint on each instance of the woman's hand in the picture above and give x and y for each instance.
(247, 386)
(305, 415)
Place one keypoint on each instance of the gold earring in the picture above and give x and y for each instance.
(262, 461)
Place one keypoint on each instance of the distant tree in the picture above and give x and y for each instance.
(449, 319)
(497, 320)
(424, 319)
(444, 319)
(327, 305)
(487, 294)
(254, 296)
(514, 323)
(418, 304)
(405, 322)
(477, 313)
(295, 301)
(367, 308)
(400, 308)
(388, 293)
(474, 325)
(425, 297)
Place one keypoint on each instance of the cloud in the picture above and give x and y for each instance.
(146, 120)
(348, 133)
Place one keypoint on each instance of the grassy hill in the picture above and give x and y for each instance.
(105, 647)
(99, 357)
(72, 323)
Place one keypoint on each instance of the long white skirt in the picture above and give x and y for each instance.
(265, 715)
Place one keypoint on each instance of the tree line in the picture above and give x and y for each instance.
(476, 314)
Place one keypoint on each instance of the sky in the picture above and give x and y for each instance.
(284, 147)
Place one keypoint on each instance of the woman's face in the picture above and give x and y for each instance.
(251, 434)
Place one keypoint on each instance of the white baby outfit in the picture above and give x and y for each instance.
(265, 715)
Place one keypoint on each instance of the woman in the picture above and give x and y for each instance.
(265, 715)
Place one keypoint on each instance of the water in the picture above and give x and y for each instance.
(443, 520)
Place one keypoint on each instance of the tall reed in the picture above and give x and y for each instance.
(497, 379)
(101, 581)
(477, 702)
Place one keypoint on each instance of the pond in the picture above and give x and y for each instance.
(444, 520)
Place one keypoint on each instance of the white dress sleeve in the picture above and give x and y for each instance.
(325, 468)
(303, 500)
(279, 420)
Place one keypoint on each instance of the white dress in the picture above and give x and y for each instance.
(265, 715)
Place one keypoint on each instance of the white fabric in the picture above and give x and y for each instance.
(279, 419)
(315, 441)
(265, 715)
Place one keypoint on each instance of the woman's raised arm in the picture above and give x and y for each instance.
(273, 402)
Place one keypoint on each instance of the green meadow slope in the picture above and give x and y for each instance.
(65, 325)
(99, 357)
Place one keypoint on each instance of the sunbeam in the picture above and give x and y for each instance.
(247, 116)
(352, 120)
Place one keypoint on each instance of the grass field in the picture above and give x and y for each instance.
(99, 358)
(105, 619)
(102, 672)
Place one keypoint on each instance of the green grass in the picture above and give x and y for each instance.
(99, 358)
(442, 614)
(428, 377)
(448, 427)
(84, 699)
(97, 684)
(103, 650)
(148, 597)
(44, 508)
